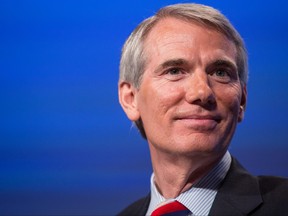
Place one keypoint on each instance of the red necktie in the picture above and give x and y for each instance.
(174, 208)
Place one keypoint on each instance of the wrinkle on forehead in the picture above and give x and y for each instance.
(169, 24)
(171, 34)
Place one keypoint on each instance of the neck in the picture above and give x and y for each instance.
(175, 174)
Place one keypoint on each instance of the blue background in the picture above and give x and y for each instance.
(66, 146)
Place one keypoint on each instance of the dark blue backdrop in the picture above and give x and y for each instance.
(66, 146)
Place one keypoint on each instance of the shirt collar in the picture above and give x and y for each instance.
(205, 189)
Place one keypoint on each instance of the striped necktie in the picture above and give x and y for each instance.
(174, 208)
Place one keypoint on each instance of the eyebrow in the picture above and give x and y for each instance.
(183, 62)
(225, 62)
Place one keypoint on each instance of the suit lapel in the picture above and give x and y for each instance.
(144, 206)
(239, 193)
(138, 208)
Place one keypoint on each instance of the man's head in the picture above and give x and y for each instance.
(134, 58)
(183, 77)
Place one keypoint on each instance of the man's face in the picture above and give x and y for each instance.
(190, 95)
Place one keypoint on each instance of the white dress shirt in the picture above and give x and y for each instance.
(200, 197)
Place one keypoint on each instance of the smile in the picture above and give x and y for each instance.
(199, 123)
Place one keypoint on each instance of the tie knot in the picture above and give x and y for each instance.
(174, 208)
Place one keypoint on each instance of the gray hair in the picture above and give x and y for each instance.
(133, 59)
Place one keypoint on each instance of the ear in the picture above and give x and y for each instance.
(242, 104)
(127, 98)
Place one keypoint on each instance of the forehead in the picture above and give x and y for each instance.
(173, 38)
(170, 24)
(171, 35)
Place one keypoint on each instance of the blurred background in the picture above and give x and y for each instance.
(66, 146)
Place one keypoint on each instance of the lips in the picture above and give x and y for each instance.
(199, 122)
(200, 117)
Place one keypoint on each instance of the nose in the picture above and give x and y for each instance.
(199, 90)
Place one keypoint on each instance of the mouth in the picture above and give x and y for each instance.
(199, 122)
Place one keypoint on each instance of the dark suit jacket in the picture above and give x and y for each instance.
(240, 194)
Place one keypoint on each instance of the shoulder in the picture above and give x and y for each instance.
(139, 207)
(272, 186)
(243, 193)
(272, 190)
(268, 185)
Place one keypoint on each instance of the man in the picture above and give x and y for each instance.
(183, 77)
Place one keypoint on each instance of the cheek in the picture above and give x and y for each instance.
(230, 100)
(159, 98)
(169, 97)
(170, 93)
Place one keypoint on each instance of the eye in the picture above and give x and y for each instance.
(223, 71)
(174, 71)
(221, 75)
(174, 74)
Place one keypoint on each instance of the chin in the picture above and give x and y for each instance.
(200, 146)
